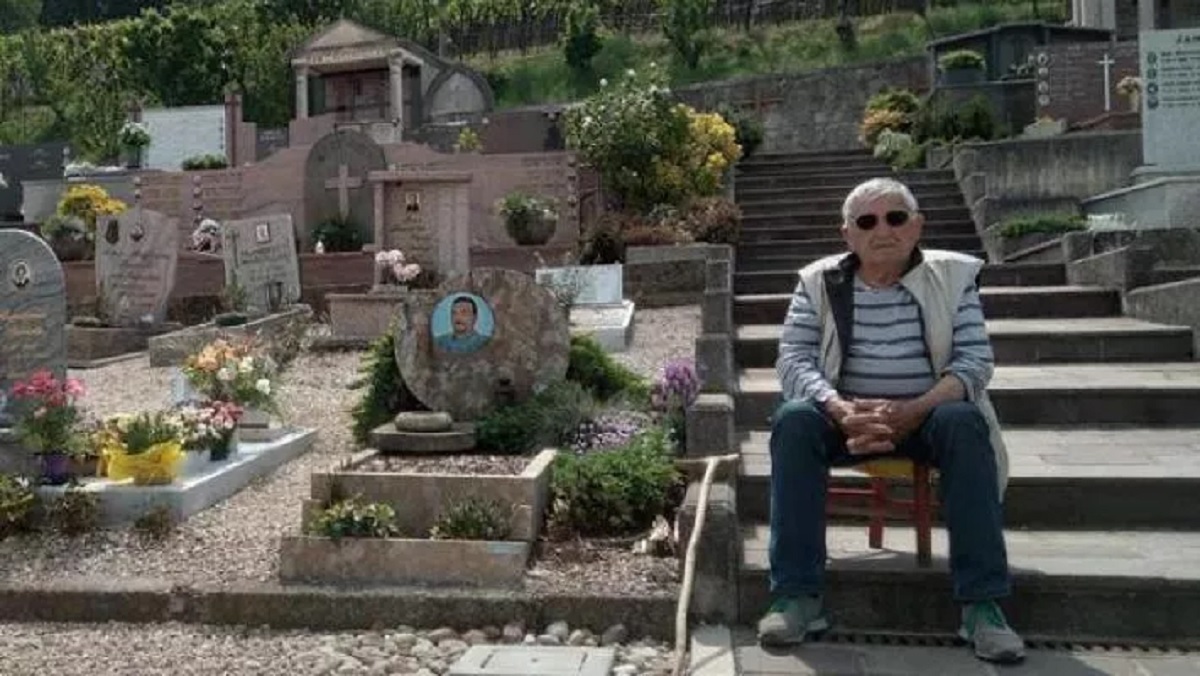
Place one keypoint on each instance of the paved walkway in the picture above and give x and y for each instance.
(718, 652)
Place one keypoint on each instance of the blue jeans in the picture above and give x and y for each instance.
(805, 443)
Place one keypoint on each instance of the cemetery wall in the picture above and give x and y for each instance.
(1072, 85)
(1075, 165)
(814, 111)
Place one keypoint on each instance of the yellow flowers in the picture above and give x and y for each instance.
(88, 202)
(711, 150)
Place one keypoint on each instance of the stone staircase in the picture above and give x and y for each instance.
(1101, 413)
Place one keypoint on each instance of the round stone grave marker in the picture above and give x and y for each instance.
(487, 333)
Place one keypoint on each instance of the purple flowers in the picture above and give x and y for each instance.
(609, 430)
(676, 387)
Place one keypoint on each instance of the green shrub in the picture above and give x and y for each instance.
(338, 234)
(748, 129)
(894, 99)
(384, 393)
(581, 39)
(1042, 223)
(16, 502)
(157, 524)
(550, 418)
(353, 518)
(210, 161)
(615, 492)
(600, 374)
(472, 519)
(961, 59)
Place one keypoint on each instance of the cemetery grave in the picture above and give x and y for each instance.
(459, 492)
(136, 255)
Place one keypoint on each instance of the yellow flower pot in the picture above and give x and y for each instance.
(158, 465)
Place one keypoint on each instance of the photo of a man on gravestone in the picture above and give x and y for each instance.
(20, 274)
(461, 323)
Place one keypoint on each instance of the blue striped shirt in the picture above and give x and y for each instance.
(888, 357)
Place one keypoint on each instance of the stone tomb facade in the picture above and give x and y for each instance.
(33, 311)
(381, 84)
(260, 255)
(136, 255)
(425, 214)
(484, 335)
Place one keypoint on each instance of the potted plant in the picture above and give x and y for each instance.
(393, 271)
(48, 416)
(146, 447)
(962, 66)
(1130, 87)
(133, 139)
(207, 433)
(71, 230)
(236, 372)
(529, 220)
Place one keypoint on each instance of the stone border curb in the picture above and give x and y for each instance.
(86, 364)
(145, 601)
(710, 651)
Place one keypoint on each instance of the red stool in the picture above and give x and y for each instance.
(878, 505)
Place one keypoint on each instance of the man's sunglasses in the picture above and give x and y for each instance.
(893, 218)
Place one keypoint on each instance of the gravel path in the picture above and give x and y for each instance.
(198, 650)
(237, 540)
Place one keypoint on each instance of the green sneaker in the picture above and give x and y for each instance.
(790, 619)
(984, 627)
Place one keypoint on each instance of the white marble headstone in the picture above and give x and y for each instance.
(597, 284)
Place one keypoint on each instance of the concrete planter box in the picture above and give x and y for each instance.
(365, 316)
(657, 276)
(373, 561)
(420, 498)
(1001, 249)
(87, 345)
(171, 349)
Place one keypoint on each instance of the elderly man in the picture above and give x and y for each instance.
(884, 353)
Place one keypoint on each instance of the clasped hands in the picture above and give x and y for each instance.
(875, 425)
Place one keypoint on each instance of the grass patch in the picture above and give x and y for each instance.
(1050, 224)
(542, 75)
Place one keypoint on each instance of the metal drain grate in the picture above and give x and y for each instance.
(1035, 643)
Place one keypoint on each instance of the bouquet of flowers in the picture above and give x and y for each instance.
(236, 372)
(394, 269)
(50, 412)
(209, 426)
(133, 135)
(146, 447)
(207, 237)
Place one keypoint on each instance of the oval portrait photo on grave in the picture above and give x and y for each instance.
(461, 323)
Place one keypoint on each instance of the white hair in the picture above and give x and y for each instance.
(873, 189)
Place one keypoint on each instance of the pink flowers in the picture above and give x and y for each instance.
(49, 424)
(50, 391)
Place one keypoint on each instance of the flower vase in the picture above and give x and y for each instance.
(222, 448)
(1135, 102)
(55, 468)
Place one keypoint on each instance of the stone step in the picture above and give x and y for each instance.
(766, 178)
(1027, 341)
(1062, 478)
(753, 205)
(1151, 395)
(771, 233)
(833, 217)
(1173, 273)
(999, 302)
(761, 188)
(816, 161)
(763, 156)
(1070, 585)
(783, 279)
(751, 251)
(753, 261)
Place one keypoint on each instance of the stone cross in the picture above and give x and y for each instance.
(1107, 62)
(343, 183)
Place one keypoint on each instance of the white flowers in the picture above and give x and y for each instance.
(226, 374)
(246, 365)
(264, 386)
(392, 263)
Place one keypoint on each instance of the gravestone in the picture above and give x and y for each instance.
(487, 333)
(19, 163)
(590, 284)
(1170, 66)
(335, 180)
(260, 253)
(33, 311)
(136, 253)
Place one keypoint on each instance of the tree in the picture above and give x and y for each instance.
(684, 23)
(17, 15)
